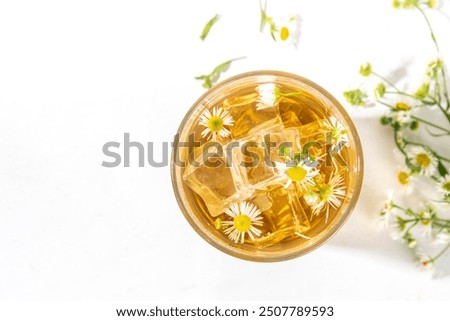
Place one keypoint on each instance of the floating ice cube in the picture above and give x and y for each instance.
(285, 216)
(253, 162)
(219, 184)
(247, 118)
(285, 142)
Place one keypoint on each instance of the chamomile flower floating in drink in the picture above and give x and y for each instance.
(269, 95)
(246, 217)
(423, 160)
(329, 194)
(298, 172)
(215, 123)
(311, 197)
(336, 132)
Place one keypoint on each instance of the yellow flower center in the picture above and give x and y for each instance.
(403, 178)
(325, 193)
(446, 186)
(242, 223)
(296, 174)
(218, 223)
(215, 123)
(402, 106)
(423, 160)
(336, 134)
(284, 33)
(425, 220)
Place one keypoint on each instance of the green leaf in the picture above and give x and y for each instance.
(442, 169)
(210, 79)
(434, 67)
(432, 4)
(263, 15)
(355, 97)
(401, 223)
(423, 90)
(380, 90)
(365, 70)
(208, 26)
(385, 120)
(414, 125)
(410, 3)
(396, 4)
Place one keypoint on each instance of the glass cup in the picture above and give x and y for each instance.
(266, 166)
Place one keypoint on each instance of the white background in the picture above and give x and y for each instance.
(77, 74)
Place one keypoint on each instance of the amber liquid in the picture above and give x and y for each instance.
(299, 120)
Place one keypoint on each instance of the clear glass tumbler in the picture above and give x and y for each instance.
(267, 166)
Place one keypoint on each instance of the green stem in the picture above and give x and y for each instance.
(385, 104)
(444, 79)
(431, 124)
(398, 207)
(441, 252)
(441, 225)
(425, 102)
(386, 81)
(401, 93)
(407, 142)
(411, 226)
(447, 115)
(263, 15)
(433, 37)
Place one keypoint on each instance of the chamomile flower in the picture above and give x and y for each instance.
(311, 197)
(330, 194)
(403, 106)
(426, 214)
(335, 131)
(443, 185)
(389, 203)
(423, 159)
(288, 31)
(245, 217)
(300, 173)
(386, 212)
(215, 123)
(425, 261)
(405, 181)
(402, 117)
(269, 95)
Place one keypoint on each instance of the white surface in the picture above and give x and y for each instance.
(77, 74)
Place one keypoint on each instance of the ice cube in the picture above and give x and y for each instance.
(219, 184)
(289, 111)
(290, 119)
(285, 217)
(284, 142)
(253, 162)
(247, 118)
(311, 130)
(286, 209)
